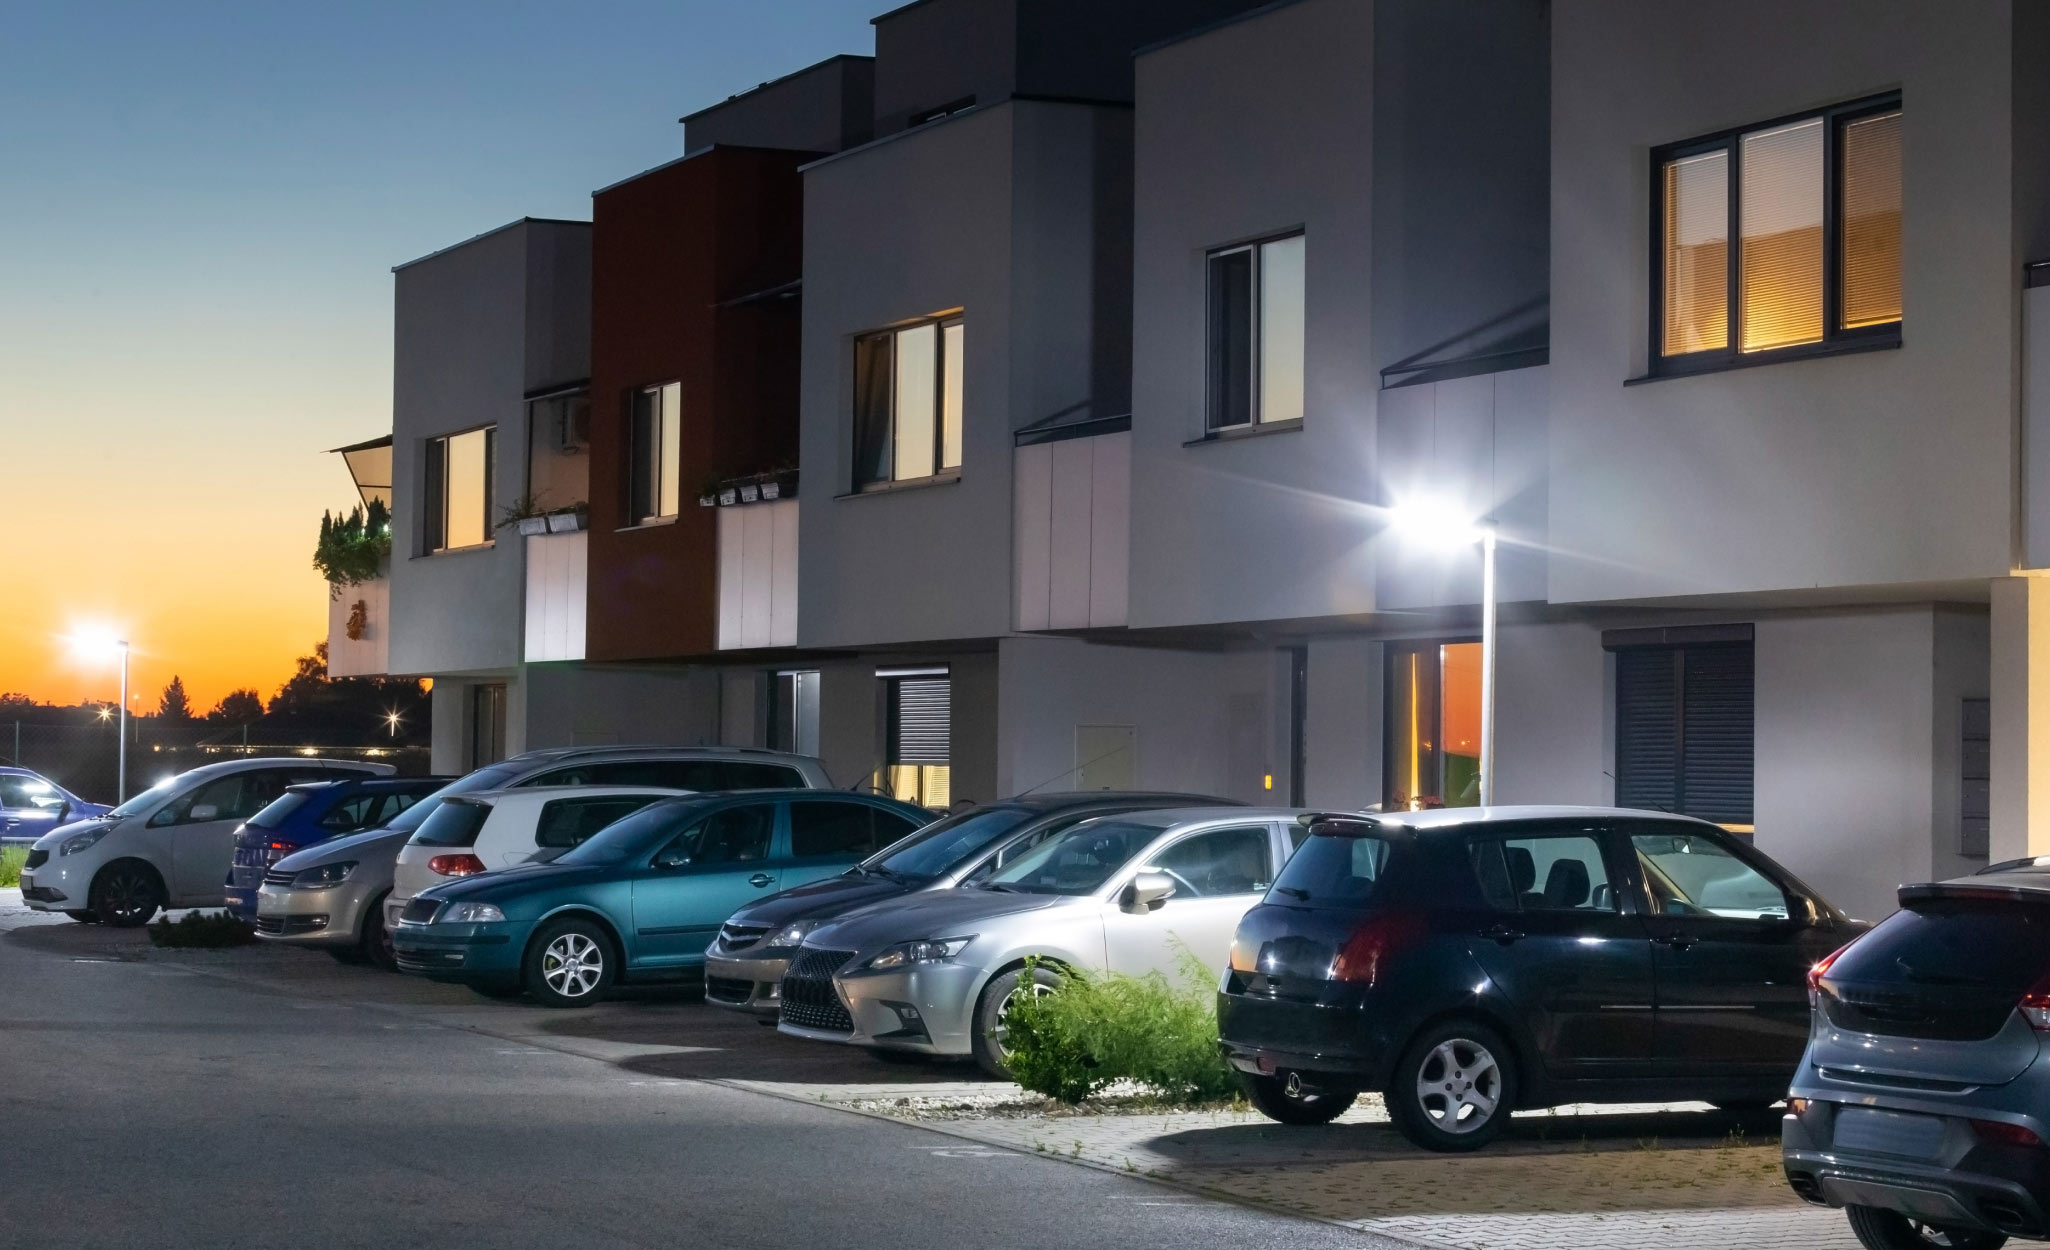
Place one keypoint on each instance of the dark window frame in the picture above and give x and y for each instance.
(1213, 427)
(1835, 339)
(434, 518)
(864, 481)
(645, 452)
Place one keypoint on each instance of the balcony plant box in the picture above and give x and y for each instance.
(533, 524)
(566, 522)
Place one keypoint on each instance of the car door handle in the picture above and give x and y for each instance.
(1502, 933)
(1678, 941)
(759, 880)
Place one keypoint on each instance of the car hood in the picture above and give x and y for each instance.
(501, 884)
(930, 914)
(49, 841)
(383, 843)
(835, 896)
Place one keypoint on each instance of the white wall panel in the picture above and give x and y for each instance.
(1068, 600)
(1110, 529)
(556, 569)
(1032, 493)
(758, 575)
(370, 655)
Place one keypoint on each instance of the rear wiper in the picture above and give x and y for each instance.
(1292, 892)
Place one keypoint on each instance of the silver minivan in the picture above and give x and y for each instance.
(1922, 1106)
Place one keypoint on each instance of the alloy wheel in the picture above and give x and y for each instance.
(1002, 1029)
(1459, 1085)
(572, 965)
(128, 897)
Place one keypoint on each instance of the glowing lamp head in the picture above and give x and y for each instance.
(1434, 523)
(96, 642)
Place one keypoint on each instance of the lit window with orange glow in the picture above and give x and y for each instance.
(1697, 253)
(1432, 728)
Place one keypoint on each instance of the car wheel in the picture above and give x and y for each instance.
(84, 917)
(1271, 1096)
(375, 945)
(993, 1013)
(1454, 1087)
(1880, 1229)
(126, 894)
(568, 964)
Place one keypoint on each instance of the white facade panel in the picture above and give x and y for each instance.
(1110, 529)
(369, 653)
(1068, 598)
(1032, 504)
(557, 568)
(758, 575)
(1072, 528)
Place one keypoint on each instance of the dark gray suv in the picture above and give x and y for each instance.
(1922, 1106)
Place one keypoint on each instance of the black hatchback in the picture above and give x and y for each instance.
(1467, 965)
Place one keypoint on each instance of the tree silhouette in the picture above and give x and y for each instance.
(237, 707)
(173, 708)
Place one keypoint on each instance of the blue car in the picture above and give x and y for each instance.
(31, 805)
(310, 813)
(641, 899)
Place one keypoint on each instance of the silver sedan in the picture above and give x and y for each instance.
(935, 973)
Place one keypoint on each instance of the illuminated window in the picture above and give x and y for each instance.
(1255, 349)
(908, 402)
(918, 741)
(1432, 701)
(657, 482)
(458, 495)
(1779, 237)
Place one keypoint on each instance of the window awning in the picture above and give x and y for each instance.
(370, 465)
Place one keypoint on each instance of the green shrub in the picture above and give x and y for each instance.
(1088, 1032)
(11, 860)
(202, 928)
(353, 548)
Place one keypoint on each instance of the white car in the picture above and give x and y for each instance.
(482, 832)
(170, 846)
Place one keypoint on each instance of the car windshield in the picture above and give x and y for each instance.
(148, 798)
(943, 844)
(281, 807)
(633, 835)
(453, 824)
(490, 778)
(1077, 860)
(1334, 869)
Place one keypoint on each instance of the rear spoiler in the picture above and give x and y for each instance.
(1346, 824)
(1992, 893)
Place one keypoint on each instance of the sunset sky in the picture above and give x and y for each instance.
(200, 206)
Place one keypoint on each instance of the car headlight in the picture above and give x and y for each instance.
(926, 951)
(80, 841)
(325, 877)
(792, 934)
(469, 913)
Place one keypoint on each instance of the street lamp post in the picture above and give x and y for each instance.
(121, 759)
(1437, 524)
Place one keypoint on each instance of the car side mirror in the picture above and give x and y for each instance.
(64, 813)
(203, 811)
(1149, 891)
(672, 859)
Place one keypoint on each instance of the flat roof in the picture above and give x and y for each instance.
(495, 230)
(773, 82)
(1208, 27)
(383, 440)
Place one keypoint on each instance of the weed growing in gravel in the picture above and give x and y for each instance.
(11, 860)
(203, 928)
(1088, 1032)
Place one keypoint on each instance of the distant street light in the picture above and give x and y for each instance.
(391, 720)
(95, 643)
(1443, 526)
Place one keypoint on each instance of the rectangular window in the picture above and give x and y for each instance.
(1254, 356)
(458, 512)
(1684, 731)
(657, 471)
(794, 712)
(918, 740)
(1433, 731)
(909, 402)
(1782, 237)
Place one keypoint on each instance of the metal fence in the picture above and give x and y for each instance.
(82, 757)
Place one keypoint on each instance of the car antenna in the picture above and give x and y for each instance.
(1076, 769)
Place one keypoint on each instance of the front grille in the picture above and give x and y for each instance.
(36, 859)
(728, 990)
(286, 926)
(278, 878)
(419, 911)
(738, 937)
(809, 999)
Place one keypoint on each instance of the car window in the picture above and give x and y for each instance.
(892, 827)
(1218, 862)
(454, 823)
(1564, 872)
(1078, 860)
(32, 793)
(948, 841)
(274, 815)
(1335, 869)
(567, 822)
(237, 796)
(1690, 874)
(731, 835)
(674, 775)
(832, 827)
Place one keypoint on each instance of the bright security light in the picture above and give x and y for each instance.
(1433, 522)
(96, 642)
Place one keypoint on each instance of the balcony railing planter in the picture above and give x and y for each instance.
(567, 520)
(353, 549)
(751, 488)
(532, 524)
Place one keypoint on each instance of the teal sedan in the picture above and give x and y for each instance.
(641, 899)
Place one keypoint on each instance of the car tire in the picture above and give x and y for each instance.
(569, 963)
(1270, 1097)
(992, 1009)
(1454, 1087)
(126, 894)
(1880, 1229)
(84, 917)
(374, 947)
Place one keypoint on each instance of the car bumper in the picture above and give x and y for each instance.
(52, 887)
(927, 1008)
(1323, 1043)
(1995, 1188)
(749, 985)
(308, 917)
(464, 952)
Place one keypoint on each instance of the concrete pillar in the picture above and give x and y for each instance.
(1342, 725)
(2020, 755)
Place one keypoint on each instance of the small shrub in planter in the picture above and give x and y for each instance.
(1088, 1032)
(203, 929)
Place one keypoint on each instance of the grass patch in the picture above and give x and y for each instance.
(1090, 1032)
(203, 929)
(11, 860)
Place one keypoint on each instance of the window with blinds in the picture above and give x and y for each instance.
(1779, 239)
(919, 737)
(1684, 730)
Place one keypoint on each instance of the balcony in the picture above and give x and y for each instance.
(758, 574)
(557, 570)
(359, 629)
(1072, 505)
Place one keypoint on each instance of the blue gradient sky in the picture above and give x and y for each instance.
(200, 205)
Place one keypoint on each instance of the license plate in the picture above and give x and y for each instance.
(267, 901)
(1889, 1132)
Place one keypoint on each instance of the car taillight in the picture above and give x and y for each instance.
(1816, 973)
(1244, 954)
(277, 851)
(456, 865)
(2035, 1005)
(1373, 946)
(2001, 1133)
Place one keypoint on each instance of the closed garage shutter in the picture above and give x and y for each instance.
(1684, 730)
(921, 720)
